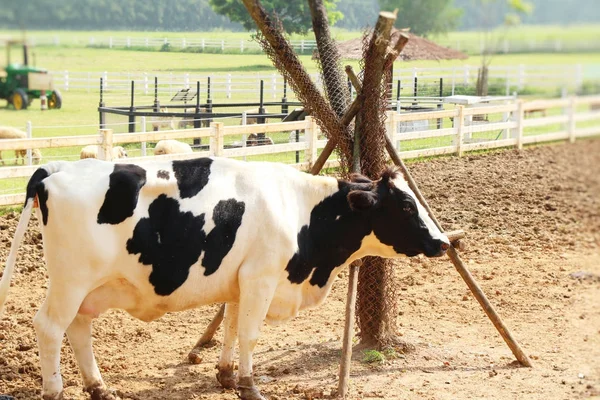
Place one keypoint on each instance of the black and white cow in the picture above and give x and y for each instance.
(168, 236)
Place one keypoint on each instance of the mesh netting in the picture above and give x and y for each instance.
(287, 63)
(377, 305)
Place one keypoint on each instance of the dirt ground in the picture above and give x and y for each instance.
(533, 224)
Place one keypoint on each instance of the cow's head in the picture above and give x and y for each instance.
(400, 223)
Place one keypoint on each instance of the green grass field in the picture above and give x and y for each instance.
(79, 114)
(526, 32)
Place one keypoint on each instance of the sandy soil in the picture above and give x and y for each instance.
(533, 223)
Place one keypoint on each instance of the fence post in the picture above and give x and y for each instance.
(520, 119)
(66, 80)
(521, 78)
(242, 46)
(228, 90)
(312, 137)
(244, 137)
(274, 85)
(128, 41)
(29, 131)
(145, 83)
(572, 122)
(105, 152)
(390, 125)
(110, 42)
(183, 43)
(216, 139)
(222, 45)
(459, 124)
(143, 131)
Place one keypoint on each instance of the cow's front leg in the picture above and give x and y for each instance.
(226, 376)
(80, 338)
(255, 298)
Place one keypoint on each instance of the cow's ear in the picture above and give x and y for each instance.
(361, 200)
(358, 178)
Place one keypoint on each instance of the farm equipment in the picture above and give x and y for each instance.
(20, 84)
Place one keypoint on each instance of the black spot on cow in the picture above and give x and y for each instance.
(192, 175)
(162, 174)
(334, 233)
(227, 216)
(121, 198)
(172, 241)
(169, 240)
(339, 223)
(35, 186)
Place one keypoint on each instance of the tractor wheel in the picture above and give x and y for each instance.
(55, 100)
(19, 99)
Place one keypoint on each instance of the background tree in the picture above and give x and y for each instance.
(294, 15)
(424, 16)
(491, 36)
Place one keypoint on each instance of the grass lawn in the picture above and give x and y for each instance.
(79, 114)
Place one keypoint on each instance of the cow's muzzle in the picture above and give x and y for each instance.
(437, 249)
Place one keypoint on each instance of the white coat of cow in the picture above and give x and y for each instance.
(172, 235)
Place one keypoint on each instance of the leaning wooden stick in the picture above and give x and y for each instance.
(207, 336)
(351, 297)
(461, 268)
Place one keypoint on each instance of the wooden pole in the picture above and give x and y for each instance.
(330, 146)
(351, 297)
(207, 336)
(461, 268)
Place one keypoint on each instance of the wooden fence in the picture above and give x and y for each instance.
(453, 131)
(512, 77)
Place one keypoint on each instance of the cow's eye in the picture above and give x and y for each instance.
(408, 207)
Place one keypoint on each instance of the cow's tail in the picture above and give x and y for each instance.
(33, 187)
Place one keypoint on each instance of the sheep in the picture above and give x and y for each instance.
(8, 132)
(189, 120)
(162, 122)
(92, 150)
(36, 155)
(255, 140)
(171, 147)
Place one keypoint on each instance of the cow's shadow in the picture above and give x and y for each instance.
(304, 364)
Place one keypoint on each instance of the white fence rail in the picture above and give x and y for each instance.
(454, 131)
(510, 78)
(473, 46)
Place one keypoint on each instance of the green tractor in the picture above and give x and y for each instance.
(21, 83)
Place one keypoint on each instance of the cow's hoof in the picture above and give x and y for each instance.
(247, 390)
(226, 377)
(102, 393)
(57, 396)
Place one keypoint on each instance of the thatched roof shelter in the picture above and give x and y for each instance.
(417, 48)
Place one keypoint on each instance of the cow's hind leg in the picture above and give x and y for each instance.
(80, 338)
(255, 297)
(226, 376)
(51, 322)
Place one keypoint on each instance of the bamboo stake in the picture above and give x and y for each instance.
(330, 146)
(208, 334)
(462, 269)
(351, 297)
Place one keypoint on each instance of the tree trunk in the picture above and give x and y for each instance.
(482, 81)
(329, 59)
